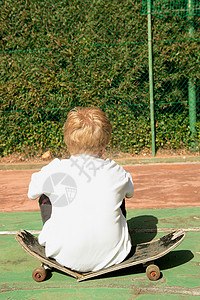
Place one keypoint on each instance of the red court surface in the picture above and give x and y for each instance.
(156, 186)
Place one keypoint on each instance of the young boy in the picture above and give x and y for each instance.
(87, 230)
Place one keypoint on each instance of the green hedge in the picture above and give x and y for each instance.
(56, 55)
(130, 133)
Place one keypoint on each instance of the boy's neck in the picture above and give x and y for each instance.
(98, 155)
(87, 155)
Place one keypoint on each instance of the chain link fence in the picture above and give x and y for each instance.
(175, 40)
(56, 55)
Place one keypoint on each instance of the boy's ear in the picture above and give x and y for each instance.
(101, 152)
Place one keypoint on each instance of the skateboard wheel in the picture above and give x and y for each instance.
(39, 274)
(153, 272)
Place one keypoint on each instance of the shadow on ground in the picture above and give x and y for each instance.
(142, 229)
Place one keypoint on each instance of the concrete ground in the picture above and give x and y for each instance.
(180, 268)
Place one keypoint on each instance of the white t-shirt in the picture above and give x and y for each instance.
(87, 230)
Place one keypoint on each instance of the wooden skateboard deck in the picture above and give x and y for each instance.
(145, 254)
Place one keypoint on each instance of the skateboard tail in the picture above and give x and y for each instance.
(24, 235)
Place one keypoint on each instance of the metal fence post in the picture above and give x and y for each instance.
(191, 84)
(151, 77)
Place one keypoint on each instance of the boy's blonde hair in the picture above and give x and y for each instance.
(87, 130)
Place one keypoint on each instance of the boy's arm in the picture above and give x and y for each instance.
(129, 186)
(34, 190)
(36, 186)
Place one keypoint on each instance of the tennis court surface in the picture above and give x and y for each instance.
(155, 210)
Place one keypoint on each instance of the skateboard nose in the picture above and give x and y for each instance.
(178, 233)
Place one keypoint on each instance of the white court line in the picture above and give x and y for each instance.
(15, 232)
(194, 229)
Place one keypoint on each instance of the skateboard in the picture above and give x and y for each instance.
(145, 254)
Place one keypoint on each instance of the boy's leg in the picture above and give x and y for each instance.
(45, 208)
(123, 208)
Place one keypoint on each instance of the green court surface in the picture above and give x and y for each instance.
(180, 268)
